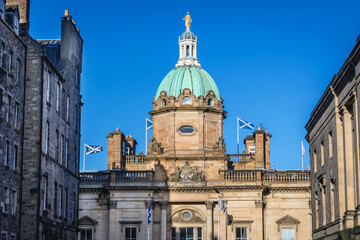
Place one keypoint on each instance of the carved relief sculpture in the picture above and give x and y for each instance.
(187, 174)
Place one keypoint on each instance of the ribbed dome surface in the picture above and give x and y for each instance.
(192, 77)
(187, 35)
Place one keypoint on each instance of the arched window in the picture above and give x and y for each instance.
(186, 100)
(210, 102)
(187, 50)
(163, 103)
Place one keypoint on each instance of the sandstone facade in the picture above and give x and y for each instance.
(333, 135)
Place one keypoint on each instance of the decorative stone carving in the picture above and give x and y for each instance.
(220, 145)
(258, 203)
(155, 147)
(163, 205)
(209, 205)
(187, 174)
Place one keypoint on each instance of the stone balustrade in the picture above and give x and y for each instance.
(265, 175)
(118, 176)
(244, 157)
(135, 159)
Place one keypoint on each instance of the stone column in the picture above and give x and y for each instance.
(112, 220)
(195, 51)
(349, 168)
(163, 206)
(209, 220)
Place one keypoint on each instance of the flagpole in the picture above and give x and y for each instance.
(237, 129)
(146, 136)
(84, 158)
(219, 223)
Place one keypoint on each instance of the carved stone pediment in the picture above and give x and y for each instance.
(187, 216)
(187, 174)
(85, 220)
(287, 220)
(220, 145)
(155, 147)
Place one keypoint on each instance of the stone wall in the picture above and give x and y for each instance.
(12, 76)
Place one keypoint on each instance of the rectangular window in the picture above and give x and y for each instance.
(13, 202)
(7, 153)
(287, 234)
(57, 151)
(58, 97)
(16, 25)
(75, 160)
(241, 233)
(60, 200)
(186, 233)
(67, 115)
(66, 203)
(47, 137)
(63, 109)
(62, 149)
(11, 59)
(16, 157)
(173, 233)
(1, 98)
(130, 233)
(74, 216)
(56, 199)
(8, 109)
(199, 233)
(18, 69)
(45, 197)
(330, 145)
(76, 117)
(66, 153)
(7, 199)
(17, 111)
(2, 52)
(85, 234)
(48, 85)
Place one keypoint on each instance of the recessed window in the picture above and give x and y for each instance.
(186, 215)
(186, 129)
(163, 103)
(210, 102)
(186, 100)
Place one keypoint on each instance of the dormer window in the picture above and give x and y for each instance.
(186, 100)
(2, 8)
(163, 103)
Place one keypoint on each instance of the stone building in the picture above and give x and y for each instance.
(52, 135)
(12, 73)
(333, 135)
(187, 168)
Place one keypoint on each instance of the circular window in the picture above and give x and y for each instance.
(186, 215)
(186, 100)
(186, 129)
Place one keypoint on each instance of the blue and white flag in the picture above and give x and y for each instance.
(149, 213)
(147, 124)
(244, 124)
(90, 149)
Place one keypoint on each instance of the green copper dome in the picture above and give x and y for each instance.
(188, 35)
(188, 76)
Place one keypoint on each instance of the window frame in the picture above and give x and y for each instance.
(130, 227)
(86, 228)
(184, 102)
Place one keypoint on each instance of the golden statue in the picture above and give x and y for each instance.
(188, 20)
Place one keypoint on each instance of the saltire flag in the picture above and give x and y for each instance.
(244, 124)
(147, 124)
(90, 149)
(149, 213)
(222, 205)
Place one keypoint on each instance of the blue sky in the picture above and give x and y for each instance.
(271, 60)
